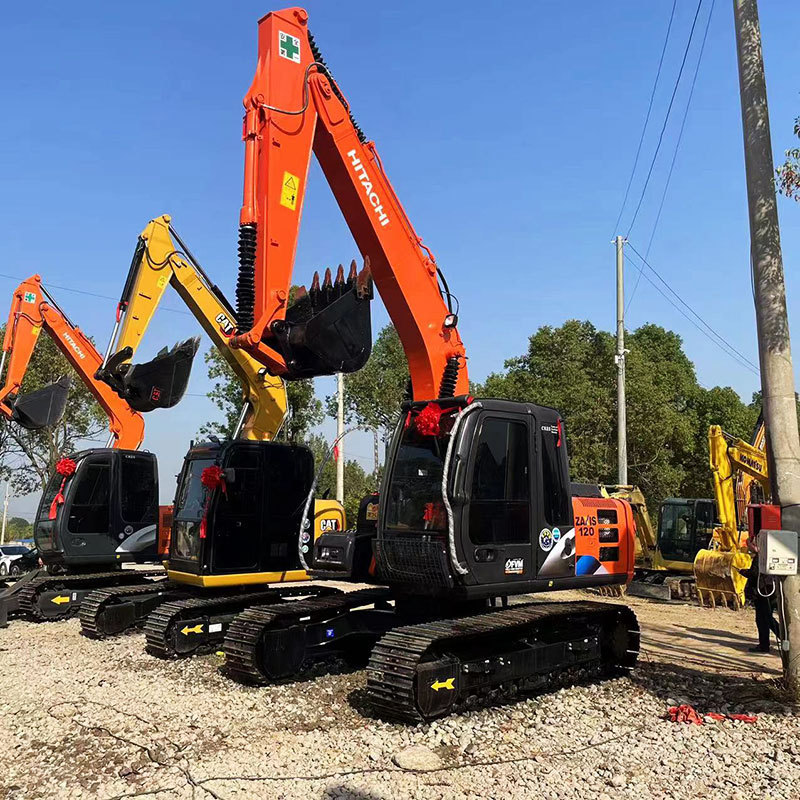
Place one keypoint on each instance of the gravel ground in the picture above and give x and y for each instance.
(86, 719)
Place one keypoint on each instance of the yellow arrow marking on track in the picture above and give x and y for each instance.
(186, 630)
(61, 599)
(448, 684)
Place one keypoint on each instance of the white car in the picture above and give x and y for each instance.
(9, 553)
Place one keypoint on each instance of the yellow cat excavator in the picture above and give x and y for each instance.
(737, 468)
(236, 565)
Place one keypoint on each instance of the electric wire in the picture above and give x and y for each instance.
(692, 316)
(88, 294)
(675, 152)
(647, 116)
(666, 117)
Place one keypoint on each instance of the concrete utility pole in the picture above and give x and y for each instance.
(340, 442)
(5, 515)
(774, 350)
(619, 358)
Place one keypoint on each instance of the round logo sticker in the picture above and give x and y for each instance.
(306, 536)
(546, 539)
(556, 534)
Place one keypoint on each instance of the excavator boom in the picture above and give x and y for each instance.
(33, 310)
(294, 106)
(720, 569)
(161, 259)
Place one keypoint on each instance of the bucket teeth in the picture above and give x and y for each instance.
(353, 274)
(364, 281)
(325, 291)
(315, 284)
(339, 284)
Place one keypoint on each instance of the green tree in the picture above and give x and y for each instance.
(28, 458)
(357, 482)
(373, 394)
(788, 173)
(18, 528)
(305, 410)
(572, 368)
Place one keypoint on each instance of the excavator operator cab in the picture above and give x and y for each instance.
(99, 510)
(685, 525)
(477, 501)
(237, 512)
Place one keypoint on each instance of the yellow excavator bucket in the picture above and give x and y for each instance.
(719, 577)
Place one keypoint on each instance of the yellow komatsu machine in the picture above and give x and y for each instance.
(663, 571)
(736, 468)
(219, 562)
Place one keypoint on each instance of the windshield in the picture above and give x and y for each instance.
(191, 499)
(415, 492)
(675, 535)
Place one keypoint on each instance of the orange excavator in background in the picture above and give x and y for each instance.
(34, 310)
(476, 502)
(100, 507)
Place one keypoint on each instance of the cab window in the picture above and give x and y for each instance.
(499, 511)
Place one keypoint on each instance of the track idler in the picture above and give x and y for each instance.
(43, 407)
(159, 383)
(328, 326)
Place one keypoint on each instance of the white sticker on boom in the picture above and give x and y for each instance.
(215, 627)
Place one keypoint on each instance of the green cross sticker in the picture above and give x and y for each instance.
(289, 47)
(29, 297)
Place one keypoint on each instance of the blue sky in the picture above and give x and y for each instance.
(509, 138)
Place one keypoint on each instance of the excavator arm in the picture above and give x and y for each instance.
(33, 310)
(729, 456)
(292, 108)
(161, 259)
(721, 570)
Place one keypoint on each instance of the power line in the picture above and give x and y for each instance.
(682, 307)
(90, 294)
(675, 153)
(647, 116)
(666, 117)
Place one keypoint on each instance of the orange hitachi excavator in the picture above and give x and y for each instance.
(99, 508)
(476, 502)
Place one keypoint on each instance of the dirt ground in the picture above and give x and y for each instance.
(85, 719)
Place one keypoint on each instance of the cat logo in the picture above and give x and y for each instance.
(328, 525)
(225, 325)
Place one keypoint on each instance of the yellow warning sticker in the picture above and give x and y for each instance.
(291, 183)
(447, 684)
(162, 281)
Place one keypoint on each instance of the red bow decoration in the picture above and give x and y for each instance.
(213, 477)
(428, 420)
(65, 467)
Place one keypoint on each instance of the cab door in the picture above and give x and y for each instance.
(497, 514)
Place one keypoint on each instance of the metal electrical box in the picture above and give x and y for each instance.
(777, 552)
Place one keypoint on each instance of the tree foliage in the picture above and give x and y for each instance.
(28, 458)
(18, 528)
(788, 173)
(357, 482)
(571, 368)
(305, 410)
(373, 394)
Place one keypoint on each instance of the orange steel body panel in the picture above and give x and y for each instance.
(292, 108)
(31, 314)
(605, 530)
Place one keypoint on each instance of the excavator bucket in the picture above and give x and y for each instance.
(328, 327)
(159, 383)
(720, 577)
(42, 408)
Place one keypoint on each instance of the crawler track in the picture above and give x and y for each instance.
(68, 591)
(206, 619)
(420, 672)
(271, 642)
(100, 604)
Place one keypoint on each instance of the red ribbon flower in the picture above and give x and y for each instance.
(428, 420)
(65, 467)
(213, 477)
